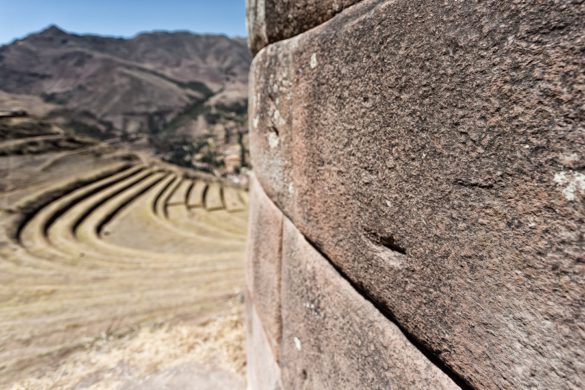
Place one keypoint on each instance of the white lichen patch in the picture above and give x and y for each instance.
(275, 87)
(314, 61)
(291, 189)
(298, 344)
(277, 118)
(571, 182)
(311, 308)
(273, 140)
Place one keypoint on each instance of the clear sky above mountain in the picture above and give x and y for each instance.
(121, 17)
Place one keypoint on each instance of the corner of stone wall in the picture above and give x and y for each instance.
(416, 219)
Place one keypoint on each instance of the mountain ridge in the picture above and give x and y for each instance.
(56, 29)
(162, 90)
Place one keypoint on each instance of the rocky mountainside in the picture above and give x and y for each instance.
(179, 94)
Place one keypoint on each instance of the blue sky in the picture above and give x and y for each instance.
(121, 17)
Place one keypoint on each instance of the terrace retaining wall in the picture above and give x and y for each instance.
(417, 215)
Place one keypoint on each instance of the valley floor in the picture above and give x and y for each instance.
(117, 273)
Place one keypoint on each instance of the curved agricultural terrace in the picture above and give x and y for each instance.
(98, 248)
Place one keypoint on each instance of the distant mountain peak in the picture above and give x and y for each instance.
(53, 29)
(163, 90)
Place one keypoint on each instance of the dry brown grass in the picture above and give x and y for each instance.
(111, 272)
(112, 362)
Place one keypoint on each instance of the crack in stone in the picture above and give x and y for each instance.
(387, 313)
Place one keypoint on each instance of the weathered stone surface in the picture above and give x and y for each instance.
(270, 112)
(262, 370)
(334, 338)
(273, 20)
(434, 152)
(264, 255)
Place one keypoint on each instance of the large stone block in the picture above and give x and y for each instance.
(273, 20)
(264, 255)
(270, 121)
(334, 338)
(434, 152)
(262, 368)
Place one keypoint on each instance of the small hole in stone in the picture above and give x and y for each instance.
(304, 374)
(274, 130)
(390, 243)
(387, 241)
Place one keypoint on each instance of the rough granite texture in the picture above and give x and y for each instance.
(270, 108)
(434, 152)
(263, 268)
(274, 20)
(334, 338)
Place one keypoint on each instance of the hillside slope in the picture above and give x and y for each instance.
(180, 94)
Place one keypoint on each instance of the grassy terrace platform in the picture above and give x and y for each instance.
(98, 249)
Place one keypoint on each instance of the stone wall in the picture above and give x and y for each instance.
(417, 215)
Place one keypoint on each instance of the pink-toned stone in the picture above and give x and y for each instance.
(334, 339)
(273, 20)
(434, 152)
(263, 268)
(270, 120)
(263, 371)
